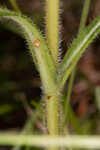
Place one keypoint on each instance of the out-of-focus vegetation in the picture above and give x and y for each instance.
(20, 85)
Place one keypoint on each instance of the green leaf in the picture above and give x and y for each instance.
(76, 50)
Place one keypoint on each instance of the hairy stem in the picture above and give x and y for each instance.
(52, 35)
(72, 77)
(52, 114)
(52, 27)
(37, 46)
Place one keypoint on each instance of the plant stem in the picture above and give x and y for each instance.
(14, 5)
(52, 114)
(67, 100)
(74, 141)
(84, 15)
(52, 27)
(52, 35)
(72, 77)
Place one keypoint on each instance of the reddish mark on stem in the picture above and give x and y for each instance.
(36, 43)
(48, 97)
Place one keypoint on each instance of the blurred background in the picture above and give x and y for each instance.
(20, 85)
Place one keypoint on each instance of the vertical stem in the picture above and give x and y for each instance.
(82, 25)
(52, 114)
(14, 5)
(52, 35)
(68, 95)
(52, 27)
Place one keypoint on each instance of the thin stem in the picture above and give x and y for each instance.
(67, 99)
(71, 80)
(52, 35)
(84, 15)
(52, 114)
(52, 27)
(69, 93)
(75, 141)
(14, 5)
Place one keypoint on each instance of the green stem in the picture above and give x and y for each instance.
(52, 27)
(75, 141)
(52, 114)
(84, 15)
(52, 34)
(70, 84)
(71, 80)
(14, 5)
